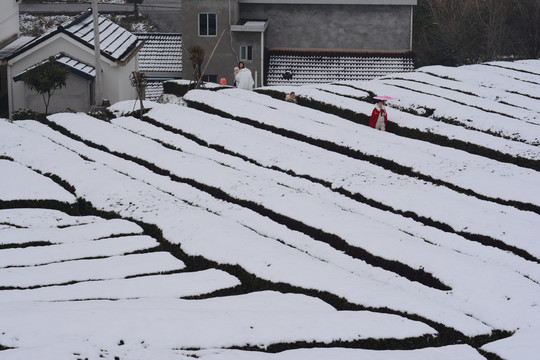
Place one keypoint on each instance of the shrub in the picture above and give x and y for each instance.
(105, 115)
(175, 88)
(27, 114)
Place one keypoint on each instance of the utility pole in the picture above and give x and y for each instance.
(98, 97)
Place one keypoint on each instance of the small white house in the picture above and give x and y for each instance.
(9, 40)
(72, 45)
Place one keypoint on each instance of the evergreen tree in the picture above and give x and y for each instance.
(45, 79)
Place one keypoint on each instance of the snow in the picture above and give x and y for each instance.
(273, 318)
(270, 213)
(105, 247)
(89, 269)
(26, 184)
(343, 172)
(151, 286)
(72, 234)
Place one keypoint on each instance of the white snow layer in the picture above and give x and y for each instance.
(261, 192)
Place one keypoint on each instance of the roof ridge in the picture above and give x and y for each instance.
(78, 19)
(337, 52)
(156, 33)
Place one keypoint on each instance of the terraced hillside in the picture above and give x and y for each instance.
(246, 227)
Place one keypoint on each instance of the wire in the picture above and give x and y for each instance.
(230, 33)
(9, 18)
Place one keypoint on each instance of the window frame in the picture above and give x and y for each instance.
(208, 25)
(210, 78)
(248, 50)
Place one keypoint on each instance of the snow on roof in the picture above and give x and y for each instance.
(116, 43)
(75, 66)
(296, 68)
(161, 52)
(250, 26)
(14, 45)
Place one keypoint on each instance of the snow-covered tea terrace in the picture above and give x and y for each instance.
(245, 227)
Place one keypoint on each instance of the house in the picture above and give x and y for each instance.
(288, 41)
(9, 41)
(160, 59)
(72, 45)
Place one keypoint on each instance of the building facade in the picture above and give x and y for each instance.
(9, 33)
(252, 30)
(72, 45)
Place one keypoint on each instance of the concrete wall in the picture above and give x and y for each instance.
(318, 25)
(224, 59)
(347, 27)
(9, 21)
(116, 83)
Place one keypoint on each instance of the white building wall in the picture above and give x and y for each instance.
(9, 21)
(74, 97)
(116, 83)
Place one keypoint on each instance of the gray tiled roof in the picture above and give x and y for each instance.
(116, 43)
(296, 68)
(154, 89)
(161, 52)
(76, 66)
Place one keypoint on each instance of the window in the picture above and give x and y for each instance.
(210, 78)
(246, 52)
(207, 24)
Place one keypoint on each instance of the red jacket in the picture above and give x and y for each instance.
(375, 116)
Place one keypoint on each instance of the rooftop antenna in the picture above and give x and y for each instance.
(97, 51)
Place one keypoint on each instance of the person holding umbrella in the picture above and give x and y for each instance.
(379, 117)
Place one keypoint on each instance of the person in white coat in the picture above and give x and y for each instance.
(244, 79)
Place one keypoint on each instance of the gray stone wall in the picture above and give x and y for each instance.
(346, 27)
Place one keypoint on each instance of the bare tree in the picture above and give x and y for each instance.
(196, 56)
(525, 20)
(139, 82)
(456, 32)
(492, 19)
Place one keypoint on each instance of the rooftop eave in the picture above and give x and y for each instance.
(251, 26)
(131, 52)
(8, 50)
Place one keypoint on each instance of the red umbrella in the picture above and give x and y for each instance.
(383, 98)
